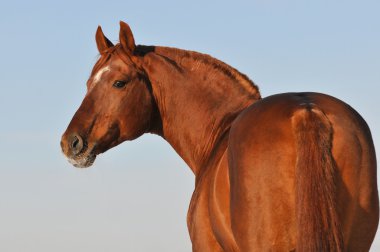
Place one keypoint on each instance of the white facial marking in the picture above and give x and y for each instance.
(98, 75)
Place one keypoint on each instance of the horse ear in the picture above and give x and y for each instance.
(126, 38)
(102, 42)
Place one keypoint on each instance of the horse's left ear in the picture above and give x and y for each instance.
(126, 38)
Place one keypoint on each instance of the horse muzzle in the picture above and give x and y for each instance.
(77, 150)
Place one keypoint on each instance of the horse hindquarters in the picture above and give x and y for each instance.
(296, 171)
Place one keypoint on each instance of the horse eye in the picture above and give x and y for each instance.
(119, 84)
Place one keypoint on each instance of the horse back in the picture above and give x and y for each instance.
(262, 156)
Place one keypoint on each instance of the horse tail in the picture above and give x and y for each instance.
(318, 227)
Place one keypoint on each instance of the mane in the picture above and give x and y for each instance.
(199, 58)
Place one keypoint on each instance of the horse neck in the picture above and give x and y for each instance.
(197, 97)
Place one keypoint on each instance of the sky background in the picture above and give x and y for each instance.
(135, 197)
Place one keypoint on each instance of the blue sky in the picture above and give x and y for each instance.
(140, 191)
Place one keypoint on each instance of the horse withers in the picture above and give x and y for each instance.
(294, 171)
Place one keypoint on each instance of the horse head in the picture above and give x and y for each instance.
(118, 105)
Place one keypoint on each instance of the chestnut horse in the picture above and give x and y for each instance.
(294, 171)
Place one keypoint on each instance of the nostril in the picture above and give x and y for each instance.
(75, 142)
(76, 145)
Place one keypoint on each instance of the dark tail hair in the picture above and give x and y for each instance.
(318, 227)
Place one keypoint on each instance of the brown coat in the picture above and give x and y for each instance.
(294, 171)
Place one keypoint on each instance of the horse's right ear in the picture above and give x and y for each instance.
(102, 42)
(126, 38)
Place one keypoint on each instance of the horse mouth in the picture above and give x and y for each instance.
(83, 161)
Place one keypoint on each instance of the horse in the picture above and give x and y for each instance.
(289, 172)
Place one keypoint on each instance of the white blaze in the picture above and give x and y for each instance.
(98, 75)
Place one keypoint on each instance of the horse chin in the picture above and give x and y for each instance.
(83, 162)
